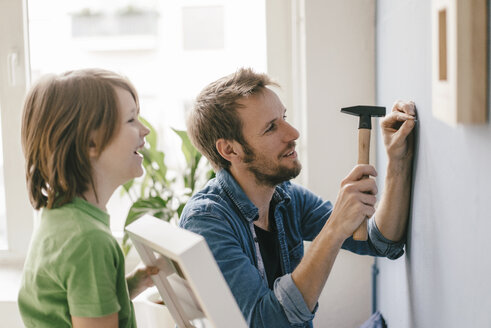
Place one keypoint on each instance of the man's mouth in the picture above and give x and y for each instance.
(291, 153)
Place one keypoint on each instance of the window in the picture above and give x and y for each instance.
(169, 49)
(203, 28)
(166, 73)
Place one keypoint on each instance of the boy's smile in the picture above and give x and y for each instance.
(121, 161)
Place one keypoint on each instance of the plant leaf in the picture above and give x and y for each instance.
(155, 193)
(151, 138)
(187, 147)
(127, 186)
(155, 206)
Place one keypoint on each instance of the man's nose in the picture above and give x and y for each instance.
(291, 132)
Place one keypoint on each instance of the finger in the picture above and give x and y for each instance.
(360, 171)
(149, 282)
(407, 107)
(404, 131)
(369, 211)
(394, 119)
(152, 270)
(367, 186)
(368, 199)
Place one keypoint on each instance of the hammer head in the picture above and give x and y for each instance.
(365, 113)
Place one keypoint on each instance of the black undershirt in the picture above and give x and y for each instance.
(268, 245)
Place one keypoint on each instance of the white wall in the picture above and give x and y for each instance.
(340, 57)
(443, 281)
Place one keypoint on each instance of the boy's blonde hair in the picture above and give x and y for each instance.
(63, 114)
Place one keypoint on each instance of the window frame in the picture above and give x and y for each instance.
(14, 78)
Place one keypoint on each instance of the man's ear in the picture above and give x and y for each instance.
(227, 149)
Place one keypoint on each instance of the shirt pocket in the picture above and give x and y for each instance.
(295, 254)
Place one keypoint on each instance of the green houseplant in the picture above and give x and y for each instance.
(160, 192)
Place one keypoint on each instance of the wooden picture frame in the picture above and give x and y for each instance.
(459, 61)
(189, 281)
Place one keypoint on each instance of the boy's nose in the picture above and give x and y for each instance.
(144, 130)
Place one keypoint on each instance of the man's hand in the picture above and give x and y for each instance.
(396, 129)
(356, 201)
(140, 279)
(393, 210)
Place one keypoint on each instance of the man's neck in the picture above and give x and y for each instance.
(259, 194)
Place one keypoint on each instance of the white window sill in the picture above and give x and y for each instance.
(10, 278)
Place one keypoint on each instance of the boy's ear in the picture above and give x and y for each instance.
(93, 151)
(227, 149)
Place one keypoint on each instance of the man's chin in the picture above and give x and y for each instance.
(282, 175)
(295, 172)
(292, 170)
(299, 166)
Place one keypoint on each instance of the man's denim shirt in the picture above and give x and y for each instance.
(224, 216)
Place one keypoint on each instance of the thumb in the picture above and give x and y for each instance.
(152, 271)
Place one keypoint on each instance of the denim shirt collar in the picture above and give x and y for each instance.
(240, 199)
(250, 212)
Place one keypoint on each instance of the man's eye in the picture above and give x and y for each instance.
(271, 127)
(131, 120)
(284, 117)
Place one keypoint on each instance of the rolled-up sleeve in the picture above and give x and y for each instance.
(260, 306)
(383, 246)
(292, 301)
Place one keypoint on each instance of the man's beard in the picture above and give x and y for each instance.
(262, 169)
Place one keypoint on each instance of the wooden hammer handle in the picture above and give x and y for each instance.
(361, 232)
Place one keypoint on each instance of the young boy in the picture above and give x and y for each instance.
(81, 136)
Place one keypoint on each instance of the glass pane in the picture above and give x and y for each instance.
(169, 49)
(3, 221)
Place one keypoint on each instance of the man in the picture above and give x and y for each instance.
(255, 221)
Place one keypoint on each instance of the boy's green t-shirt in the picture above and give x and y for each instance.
(74, 267)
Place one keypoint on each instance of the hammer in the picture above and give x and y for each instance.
(365, 113)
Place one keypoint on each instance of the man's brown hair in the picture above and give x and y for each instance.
(63, 114)
(215, 116)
